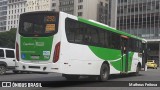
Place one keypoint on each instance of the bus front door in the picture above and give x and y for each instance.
(144, 56)
(124, 50)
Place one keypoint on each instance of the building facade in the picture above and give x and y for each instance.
(14, 9)
(141, 18)
(90, 9)
(3, 15)
(55, 5)
(38, 5)
(67, 6)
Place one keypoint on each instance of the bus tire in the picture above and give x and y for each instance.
(104, 72)
(137, 70)
(71, 77)
(2, 70)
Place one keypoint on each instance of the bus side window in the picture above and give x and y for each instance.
(101, 37)
(70, 30)
(106, 39)
(78, 35)
(71, 35)
(87, 36)
(94, 36)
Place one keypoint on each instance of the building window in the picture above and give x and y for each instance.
(53, 4)
(80, 7)
(80, 13)
(79, 1)
(101, 3)
(53, 10)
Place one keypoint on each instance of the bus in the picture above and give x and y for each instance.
(73, 46)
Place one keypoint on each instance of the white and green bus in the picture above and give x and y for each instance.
(62, 43)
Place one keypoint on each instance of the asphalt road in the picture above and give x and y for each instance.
(150, 75)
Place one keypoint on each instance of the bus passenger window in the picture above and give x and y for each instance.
(78, 36)
(87, 37)
(71, 34)
(94, 36)
(101, 36)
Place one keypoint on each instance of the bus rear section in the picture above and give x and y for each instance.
(37, 48)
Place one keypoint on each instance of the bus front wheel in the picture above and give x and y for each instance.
(104, 72)
(137, 70)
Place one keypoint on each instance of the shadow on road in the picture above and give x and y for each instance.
(88, 82)
(118, 76)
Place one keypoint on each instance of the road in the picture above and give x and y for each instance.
(150, 75)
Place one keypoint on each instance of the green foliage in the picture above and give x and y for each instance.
(7, 39)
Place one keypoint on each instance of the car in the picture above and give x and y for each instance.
(7, 60)
(151, 64)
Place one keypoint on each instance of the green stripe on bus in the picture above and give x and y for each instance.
(113, 56)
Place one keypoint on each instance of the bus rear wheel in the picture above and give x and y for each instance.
(104, 73)
(71, 77)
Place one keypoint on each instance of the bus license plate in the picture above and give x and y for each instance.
(35, 57)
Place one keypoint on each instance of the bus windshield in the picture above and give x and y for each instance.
(38, 24)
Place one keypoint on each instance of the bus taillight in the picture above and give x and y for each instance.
(17, 51)
(56, 53)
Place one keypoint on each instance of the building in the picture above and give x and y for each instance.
(90, 9)
(67, 6)
(141, 18)
(3, 15)
(14, 9)
(55, 5)
(38, 5)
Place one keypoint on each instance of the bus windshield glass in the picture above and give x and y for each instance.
(38, 24)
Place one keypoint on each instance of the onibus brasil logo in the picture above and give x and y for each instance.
(19, 84)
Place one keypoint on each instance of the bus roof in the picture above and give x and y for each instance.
(106, 27)
(97, 24)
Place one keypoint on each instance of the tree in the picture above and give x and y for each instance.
(7, 39)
